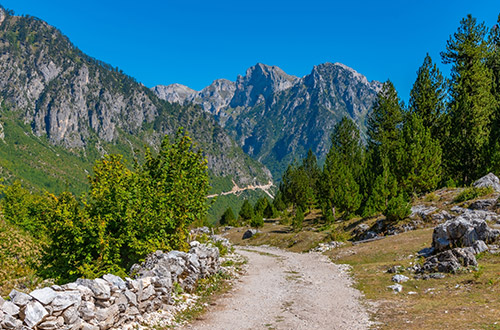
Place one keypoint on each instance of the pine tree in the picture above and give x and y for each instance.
(472, 101)
(385, 119)
(494, 64)
(418, 158)
(384, 188)
(427, 96)
(343, 165)
(228, 218)
(246, 212)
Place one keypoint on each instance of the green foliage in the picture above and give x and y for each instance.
(261, 205)
(298, 220)
(472, 192)
(128, 214)
(398, 208)
(384, 188)
(278, 202)
(228, 218)
(418, 157)
(472, 102)
(246, 211)
(257, 221)
(25, 209)
(341, 174)
(296, 187)
(427, 97)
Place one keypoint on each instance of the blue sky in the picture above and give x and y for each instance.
(194, 42)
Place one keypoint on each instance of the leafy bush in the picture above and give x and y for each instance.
(398, 208)
(472, 192)
(128, 214)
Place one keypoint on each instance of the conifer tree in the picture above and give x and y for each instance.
(418, 158)
(246, 212)
(343, 164)
(472, 101)
(228, 218)
(494, 64)
(427, 96)
(384, 188)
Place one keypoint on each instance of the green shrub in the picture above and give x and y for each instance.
(128, 214)
(257, 221)
(228, 218)
(472, 192)
(398, 208)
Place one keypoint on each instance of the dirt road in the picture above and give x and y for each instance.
(285, 290)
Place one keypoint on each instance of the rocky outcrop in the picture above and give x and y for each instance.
(175, 93)
(462, 232)
(489, 180)
(456, 242)
(110, 301)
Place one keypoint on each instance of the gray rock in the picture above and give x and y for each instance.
(34, 314)
(115, 281)
(450, 261)
(489, 180)
(99, 287)
(49, 325)
(396, 288)
(87, 310)
(65, 299)
(148, 292)
(45, 295)
(10, 308)
(399, 278)
(10, 322)
(19, 298)
(70, 315)
(249, 233)
(462, 232)
(423, 211)
(132, 298)
(1, 301)
(483, 204)
(87, 326)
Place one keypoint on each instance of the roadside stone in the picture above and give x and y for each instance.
(45, 295)
(9, 322)
(34, 314)
(87, 310)
(10, 308)
(70, 315)
(115, 281)
(64, 299)
(249, 233)
(483, 204)
(99, 287)
(19, 298)
(423, 211)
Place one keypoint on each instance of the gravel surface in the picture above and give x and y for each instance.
(286, 290)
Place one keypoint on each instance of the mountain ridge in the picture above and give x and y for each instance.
(276, 117)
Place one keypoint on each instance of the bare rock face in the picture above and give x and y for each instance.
(462, 232)
(260, 82)
(175, 93)
(489, 180)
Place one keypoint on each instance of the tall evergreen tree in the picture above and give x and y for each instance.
(427, 96)
(472, 102)
(494, 64)
(418, 158)
(342, 169)
(246, 212)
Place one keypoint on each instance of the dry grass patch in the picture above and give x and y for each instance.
(464, 301)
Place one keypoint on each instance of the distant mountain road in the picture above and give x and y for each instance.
(286, 290)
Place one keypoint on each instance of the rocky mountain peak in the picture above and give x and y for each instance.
(215, 96)
(174, 93)
(259, 82)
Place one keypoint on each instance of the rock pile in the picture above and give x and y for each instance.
(110, 302)
(456, 242)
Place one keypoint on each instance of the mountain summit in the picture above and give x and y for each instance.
(277, 117)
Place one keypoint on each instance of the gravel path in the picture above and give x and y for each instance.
(285, 290)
